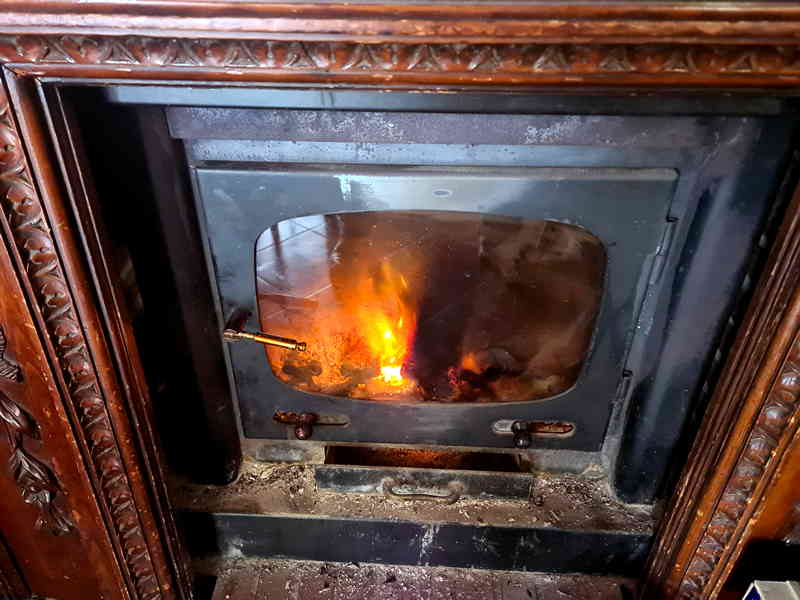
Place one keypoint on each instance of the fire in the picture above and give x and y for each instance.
(391, 355)
(360, 322)
(392, 375)
(387, 318)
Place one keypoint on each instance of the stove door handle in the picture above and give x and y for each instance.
(391, 489)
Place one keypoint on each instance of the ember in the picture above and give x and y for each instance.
(430, 306)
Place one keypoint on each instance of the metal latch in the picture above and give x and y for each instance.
(305, 422)
(525, 431)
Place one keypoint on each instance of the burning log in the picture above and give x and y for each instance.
(473, 380)
(302, 374)
(357, 375)
(491, 363)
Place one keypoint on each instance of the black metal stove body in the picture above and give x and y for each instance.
(678, 203)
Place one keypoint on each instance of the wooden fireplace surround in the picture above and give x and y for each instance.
(85, 510)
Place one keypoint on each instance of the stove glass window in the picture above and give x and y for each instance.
(427, 306)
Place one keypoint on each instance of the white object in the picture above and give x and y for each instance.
(773, 590)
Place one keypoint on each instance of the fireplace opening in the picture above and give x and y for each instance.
(625, 241)
(439, 306)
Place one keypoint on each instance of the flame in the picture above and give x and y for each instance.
(386, 321)
(392, 375)
(391, 354)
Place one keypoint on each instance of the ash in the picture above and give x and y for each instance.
(563, 501)
(251, 579)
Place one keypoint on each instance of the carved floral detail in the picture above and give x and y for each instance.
(454, 58)
(781, 404)
(8, 369)
(34, 479)
(32, 235)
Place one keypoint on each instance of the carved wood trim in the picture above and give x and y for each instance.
(37, 248)
(503, 20)
(519, 63)
(603, 44)
(35, 480)
(775, 426)
(775, 518)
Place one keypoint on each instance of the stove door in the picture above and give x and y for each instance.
(523, 287)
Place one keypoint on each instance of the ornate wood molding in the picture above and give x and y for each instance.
(35, 480)
(449, 21)
(525, 62)
(776, 422)
(37, 248)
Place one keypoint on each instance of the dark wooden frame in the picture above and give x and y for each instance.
(76, 409)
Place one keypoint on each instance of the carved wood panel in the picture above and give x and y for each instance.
(109, 507)
(42, 485)
(33, 477)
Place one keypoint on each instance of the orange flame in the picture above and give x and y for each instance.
(387, 323)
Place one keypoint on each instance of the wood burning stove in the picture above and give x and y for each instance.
(551, 282)
(513, 313)
(517, 302)
(462, 274)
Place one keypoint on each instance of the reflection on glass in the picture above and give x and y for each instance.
(430, 306)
